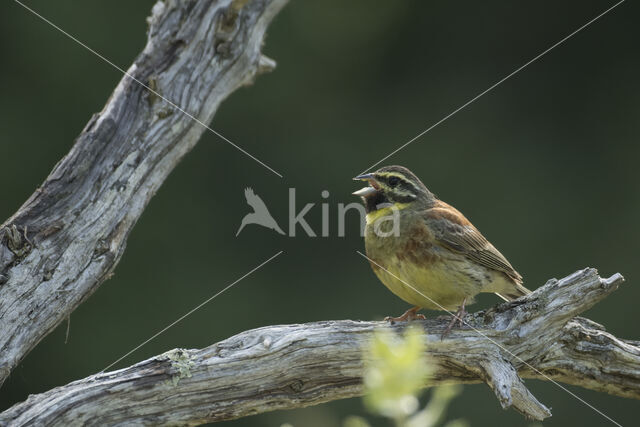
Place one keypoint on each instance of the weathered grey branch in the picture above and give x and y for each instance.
(69, 236)
(289, 366)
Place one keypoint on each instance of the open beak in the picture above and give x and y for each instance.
(366, 191)
(365, 177)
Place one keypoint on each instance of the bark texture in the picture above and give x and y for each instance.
(69, 236)
(290, 366)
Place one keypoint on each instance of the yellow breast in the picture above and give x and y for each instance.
(437, 286)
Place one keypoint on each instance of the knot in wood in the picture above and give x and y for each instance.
(296, 386)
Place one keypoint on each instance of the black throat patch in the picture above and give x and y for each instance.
(372, 202)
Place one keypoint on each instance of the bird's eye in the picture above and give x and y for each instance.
(394, 181)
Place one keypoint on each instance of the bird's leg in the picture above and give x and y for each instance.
(456, 318)
(407, 316)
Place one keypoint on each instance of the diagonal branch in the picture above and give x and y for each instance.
(69, 236)
(291, 366)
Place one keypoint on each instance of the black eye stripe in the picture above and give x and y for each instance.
(405, 184)
(391, 178)
(402, 183)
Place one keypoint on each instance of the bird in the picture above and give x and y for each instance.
(425, 251)
(260, 214)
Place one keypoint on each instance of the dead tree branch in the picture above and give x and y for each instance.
(69, 236)
(291, 366)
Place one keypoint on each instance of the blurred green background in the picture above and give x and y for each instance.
(545, 165)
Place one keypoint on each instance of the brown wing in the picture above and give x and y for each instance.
(452, 230)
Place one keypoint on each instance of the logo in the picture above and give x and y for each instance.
(260, 214)
(385, 224)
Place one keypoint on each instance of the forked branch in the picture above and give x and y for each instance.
(291, 366)
(69, 236)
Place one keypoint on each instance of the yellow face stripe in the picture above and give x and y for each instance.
(398, 189)
(390, 174)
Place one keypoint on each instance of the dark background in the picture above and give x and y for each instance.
(545, 165)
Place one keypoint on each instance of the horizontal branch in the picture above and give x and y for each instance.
(69, 236)
(291, 366)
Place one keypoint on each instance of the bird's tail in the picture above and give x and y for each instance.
(516, 292)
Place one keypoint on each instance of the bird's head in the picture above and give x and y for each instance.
(393, 186)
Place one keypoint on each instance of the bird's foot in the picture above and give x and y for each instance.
(408, 316)
(457, 318)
